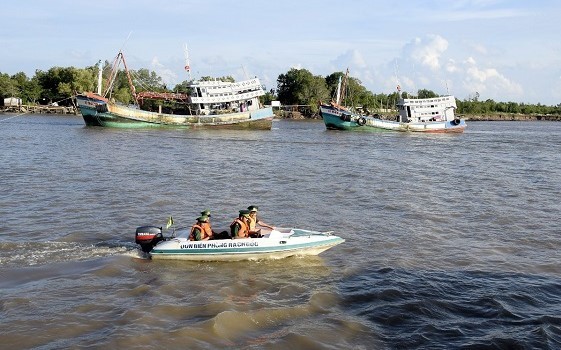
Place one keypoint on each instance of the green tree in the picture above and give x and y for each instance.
(314, 92)
(332, 81)
(145, 80)
(267, 98)
(356, 94)
(227, 79)
(32, 91)
(183, 87)
(292, 86)
(8, 87)
(424, 93)
(58, 83)
(120, 89)
(86, 79)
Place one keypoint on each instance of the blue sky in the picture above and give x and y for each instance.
(501, 50)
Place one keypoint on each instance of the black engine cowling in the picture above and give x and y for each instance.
(148, 237)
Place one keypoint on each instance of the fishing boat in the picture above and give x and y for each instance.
(432, 115)
(210, 104)
(274, 244)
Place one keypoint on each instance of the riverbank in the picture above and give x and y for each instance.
(295, 115)
(512, 117)
(39, 109)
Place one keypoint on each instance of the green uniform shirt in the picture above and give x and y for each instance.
(197, 234)
(234, 229)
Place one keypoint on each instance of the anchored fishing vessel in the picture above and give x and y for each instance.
(210, 104)
(274, 244)
(434, 115)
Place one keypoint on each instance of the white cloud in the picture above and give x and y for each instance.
(351, 58)
(491, 82)
(451, 66)
(479, 48)
(470, 61)
(427, 63)
(169, 77)
(427, 51)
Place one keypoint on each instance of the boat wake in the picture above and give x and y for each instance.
(20, 254)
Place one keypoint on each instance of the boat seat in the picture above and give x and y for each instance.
(275, 234)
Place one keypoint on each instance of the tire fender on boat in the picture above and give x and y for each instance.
(361, 121)
(456, 121)
(345, 117)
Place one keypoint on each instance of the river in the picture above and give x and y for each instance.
(452, 241)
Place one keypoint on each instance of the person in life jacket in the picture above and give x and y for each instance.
(239, 228)
(208, 228)
(200, 231)
(254, 222)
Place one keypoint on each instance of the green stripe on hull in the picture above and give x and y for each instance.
(250, 250)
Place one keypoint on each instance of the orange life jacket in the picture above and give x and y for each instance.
(207, 229)
(192, 236)
(244, 229)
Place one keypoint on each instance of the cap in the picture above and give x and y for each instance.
(206, 212)
(252, 208)
(202, 218)
(244, 212)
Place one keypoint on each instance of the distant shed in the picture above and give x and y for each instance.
(12, 102)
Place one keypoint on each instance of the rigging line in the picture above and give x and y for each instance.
(126, 40)
(66, 98)
(139, 80)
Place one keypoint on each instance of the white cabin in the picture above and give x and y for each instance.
(212, 96)
(427, 109)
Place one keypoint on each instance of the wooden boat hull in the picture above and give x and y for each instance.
(97, 111)
(278, 245)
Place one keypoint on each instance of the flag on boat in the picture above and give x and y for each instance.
(170, 222)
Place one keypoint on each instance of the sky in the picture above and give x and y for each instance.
(504, 50)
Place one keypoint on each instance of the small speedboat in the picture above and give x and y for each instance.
(273, 244)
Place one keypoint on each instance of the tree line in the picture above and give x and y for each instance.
(297, 87)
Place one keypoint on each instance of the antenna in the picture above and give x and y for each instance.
(187, 64)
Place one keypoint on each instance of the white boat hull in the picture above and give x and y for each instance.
(274, 245)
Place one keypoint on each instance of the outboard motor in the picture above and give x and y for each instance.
(148, 237)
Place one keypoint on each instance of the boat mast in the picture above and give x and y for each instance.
(338, 96)
(99, 78)
(341, 87)
(133, 89)
(113, 75)
(344, 86)
(111, 78)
